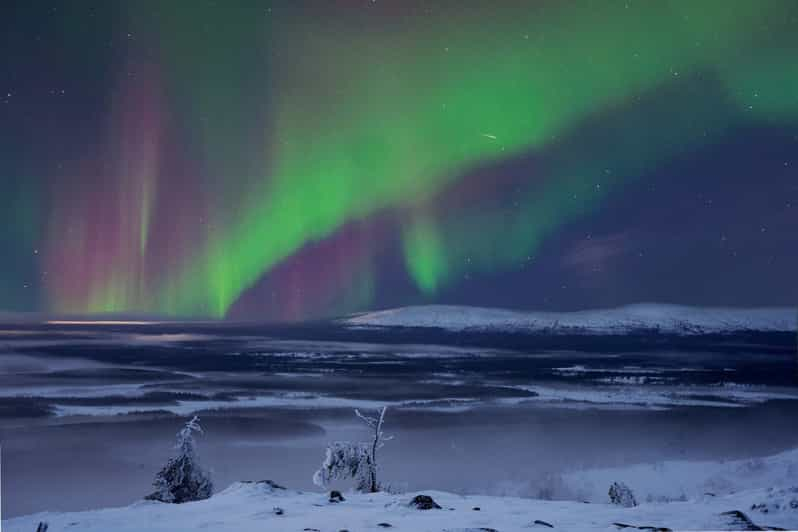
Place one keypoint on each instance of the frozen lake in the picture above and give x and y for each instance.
(88, 413)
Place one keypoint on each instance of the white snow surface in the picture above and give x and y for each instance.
(245, 507)
(675, 319)
(684, 479)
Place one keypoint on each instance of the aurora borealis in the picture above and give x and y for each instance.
(291, 160)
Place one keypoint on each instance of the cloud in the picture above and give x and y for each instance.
(594, 254)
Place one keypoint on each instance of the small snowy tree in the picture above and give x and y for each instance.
(345, 460)
(377, 441)
(622, 495)
(357, 461)
(182, 479)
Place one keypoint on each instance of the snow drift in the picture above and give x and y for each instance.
(255, 506)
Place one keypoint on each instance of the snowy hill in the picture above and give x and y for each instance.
(673, 319)
(245, 507)
(678, 495)
(674, 480)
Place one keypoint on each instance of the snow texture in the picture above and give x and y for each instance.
(245, 507)
(676, 480)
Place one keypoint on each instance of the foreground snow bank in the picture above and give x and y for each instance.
(260, 506)
(682, 479)
(674, 319)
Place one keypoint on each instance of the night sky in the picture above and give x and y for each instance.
(295, 160)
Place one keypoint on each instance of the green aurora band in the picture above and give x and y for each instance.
(383, 113)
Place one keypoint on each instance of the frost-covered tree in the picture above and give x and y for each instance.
(622, 495)
(345, 460)
(378, 439)
(357, 461)
(182, 479)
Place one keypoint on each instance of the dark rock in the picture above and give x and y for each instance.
(542, 523)
(476, 508)
(278, 511)
(385, 525)
(335, 496)
(424, 502)
(778, 499)
(311, 530)
(740, 521)
(643, 527)
(269, 483)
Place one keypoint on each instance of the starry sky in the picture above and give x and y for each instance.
(297, 160)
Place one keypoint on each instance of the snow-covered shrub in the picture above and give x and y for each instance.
(622, 495)
(345, 460)
(182, 479)
(358, 461)
(651, 498)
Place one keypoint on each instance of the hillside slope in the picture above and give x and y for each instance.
(672, 319)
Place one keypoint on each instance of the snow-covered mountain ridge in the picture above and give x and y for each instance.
(671, 319)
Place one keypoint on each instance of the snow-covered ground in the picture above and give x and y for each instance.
(691, 480)
(674, 319)
(245, 507)
(679, 495)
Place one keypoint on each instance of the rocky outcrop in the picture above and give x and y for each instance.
(737, 520)
(268, 483)
(642, 527)
(424, 502)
